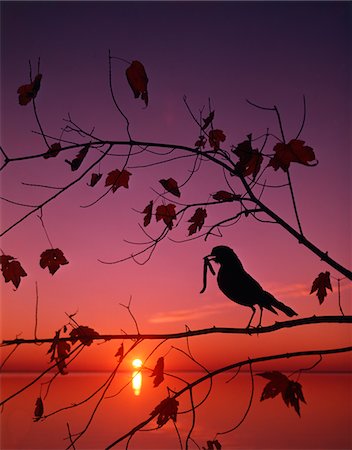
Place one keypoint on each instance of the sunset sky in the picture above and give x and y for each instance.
(269, 53)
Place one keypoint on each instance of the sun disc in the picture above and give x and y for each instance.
(137, 363)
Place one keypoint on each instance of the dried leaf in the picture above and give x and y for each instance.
(171, 186)
(39, 409)
(120, 353)
(208, 120)
(118, 178)
(250, 159)
(148, 211)
(84, 334)
(213, 445)
(12, 270)
(52, 258)
(215, 137)
(200, 142)
(28, 92)
(77, 161)
(138, 80)
(158, 372)
(197, 221)
(167, 409)
(94, 179)
(167, 214)
(53, 151)
(59, 350)
(320, 284)
(294, 151)
(224, 196)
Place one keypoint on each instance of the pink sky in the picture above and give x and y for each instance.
(268, 53)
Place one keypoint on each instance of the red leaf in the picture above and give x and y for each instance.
(224, 196)
(53, 151)
(294, 151)
(167, 409)
(148, 210)
(84, 334)
(138, 80)
(77, 161)
(320, 284)
(215, 137)
(200, 142)
(158, 372)
(171, 186)
(116, 179)
(39, 409)
(167, 214)
(94, 179)
(52, 258)
(208, 120)
(120, 353)
(28, 92)
(250, 159)
(12, 270)
(197, 221)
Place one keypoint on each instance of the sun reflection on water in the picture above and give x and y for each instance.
(137, 377)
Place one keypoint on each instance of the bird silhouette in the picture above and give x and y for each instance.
(239, 286)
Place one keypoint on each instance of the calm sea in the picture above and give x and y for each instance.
(325, 423)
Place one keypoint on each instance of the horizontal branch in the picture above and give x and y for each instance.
(224, 369)
(186, 334)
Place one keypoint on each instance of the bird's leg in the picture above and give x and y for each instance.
(261, 314)
(250, 320)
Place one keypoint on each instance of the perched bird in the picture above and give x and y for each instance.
(239, 286)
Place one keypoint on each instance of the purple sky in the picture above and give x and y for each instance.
(270, 53)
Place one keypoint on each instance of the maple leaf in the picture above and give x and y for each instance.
(320, 284)
(12, 270)
(250, 159)
(291, 391)
(77, 161)
(120, 352)
(213, 445)
(167, 214)
(215, 137)
(84, 334)
(53, 151)
(200, 142)
(138, 80)
(38, 410)
(148, 210)
(167, 409)
(224, 196)
(28, 92)
(294, 151)
(207, 121)
(171, 186)
(197, 221)
(117, 178)
(293, 395)
(94, 179)
(52, 258)
(158, 372)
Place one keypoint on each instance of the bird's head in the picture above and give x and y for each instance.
(224, 255)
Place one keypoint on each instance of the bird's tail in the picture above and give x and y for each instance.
(284, 308)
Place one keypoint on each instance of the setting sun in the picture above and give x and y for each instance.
(137, 363)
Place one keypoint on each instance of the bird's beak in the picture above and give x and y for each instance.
(210, 257)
